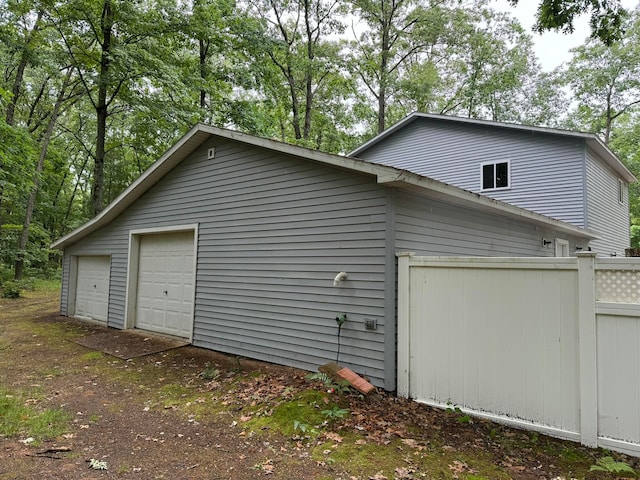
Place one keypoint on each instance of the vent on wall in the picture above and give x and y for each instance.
(211, 153)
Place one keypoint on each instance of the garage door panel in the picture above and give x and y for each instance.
(165, 283)
(92, 287)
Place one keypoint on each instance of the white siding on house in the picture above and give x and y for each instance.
(546, 170)
(604, 212)
(273, 233)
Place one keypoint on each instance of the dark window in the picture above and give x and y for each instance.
(487, 177)
(495, 175)
(502, 175)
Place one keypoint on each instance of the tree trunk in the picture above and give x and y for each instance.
(24, 61)
(295, 106)
(308, 108)
(101, 109)
(204, 49)
(384, 74)
(24, 237)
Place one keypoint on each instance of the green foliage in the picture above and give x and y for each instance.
(321, 377)
(304, 428)
(606, 17)
(210, 372)
(460, 416)
(332, 386)
(11, 289)
(21, 418)
(335, 413)
(608, 464)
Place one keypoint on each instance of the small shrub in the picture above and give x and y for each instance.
(11, 289)
(461, 417)
(210, 372)
(320, 377)
(333, 387)
(608, 464)
(304, 427)
(335, 413)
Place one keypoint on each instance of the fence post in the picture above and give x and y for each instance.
(587, 341)
(403, 324)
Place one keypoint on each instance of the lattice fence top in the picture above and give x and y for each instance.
(618, 286)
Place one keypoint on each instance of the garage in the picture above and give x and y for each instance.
(165, 284)
(92, 287)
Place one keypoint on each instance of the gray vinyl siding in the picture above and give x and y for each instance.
(605, 214)
(546, 170)
(64, 291)
(431, 227)
(273, 233)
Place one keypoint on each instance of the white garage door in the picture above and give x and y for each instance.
(92, 287)
(166, 283)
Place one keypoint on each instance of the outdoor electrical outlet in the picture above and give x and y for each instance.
(370, 323)
(340, 319)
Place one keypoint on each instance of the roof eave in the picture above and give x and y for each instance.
(484, 203)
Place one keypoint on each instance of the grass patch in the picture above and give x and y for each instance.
(300, 416)
(49, 287)
(19, 416)
(92, 356)
(365, 459)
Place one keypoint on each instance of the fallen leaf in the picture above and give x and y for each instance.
(457, 467)
(378, 476)
(403, 474)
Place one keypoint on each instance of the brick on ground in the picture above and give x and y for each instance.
(339, 373)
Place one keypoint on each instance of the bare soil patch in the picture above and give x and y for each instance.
(126, 344)
(196, 414)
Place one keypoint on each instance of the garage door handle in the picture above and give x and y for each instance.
(165, 292)
(95, 286)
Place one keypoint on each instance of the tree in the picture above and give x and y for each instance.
(607, 17)
(295, 59)
(469, 61)
(115, 47)
(606, 79)
(61, 97)
(396, 31)
(20, 28)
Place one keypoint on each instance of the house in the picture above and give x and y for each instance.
(570, 176)
(236, 243)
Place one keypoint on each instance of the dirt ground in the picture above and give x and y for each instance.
(190, 413)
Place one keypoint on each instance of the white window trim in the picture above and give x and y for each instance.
(559, 244)
(495, 162)
(620, 192)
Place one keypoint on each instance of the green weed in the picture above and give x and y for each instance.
(608, 464)
(19, 416)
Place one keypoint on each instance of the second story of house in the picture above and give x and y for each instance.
(570, 176)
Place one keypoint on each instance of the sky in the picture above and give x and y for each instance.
(552, 49)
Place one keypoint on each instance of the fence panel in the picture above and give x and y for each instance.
(619, 376)
(497, 341)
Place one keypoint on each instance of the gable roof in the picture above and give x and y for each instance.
(590, 139)
(388, 176)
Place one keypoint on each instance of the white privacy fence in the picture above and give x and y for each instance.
(549, 344)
